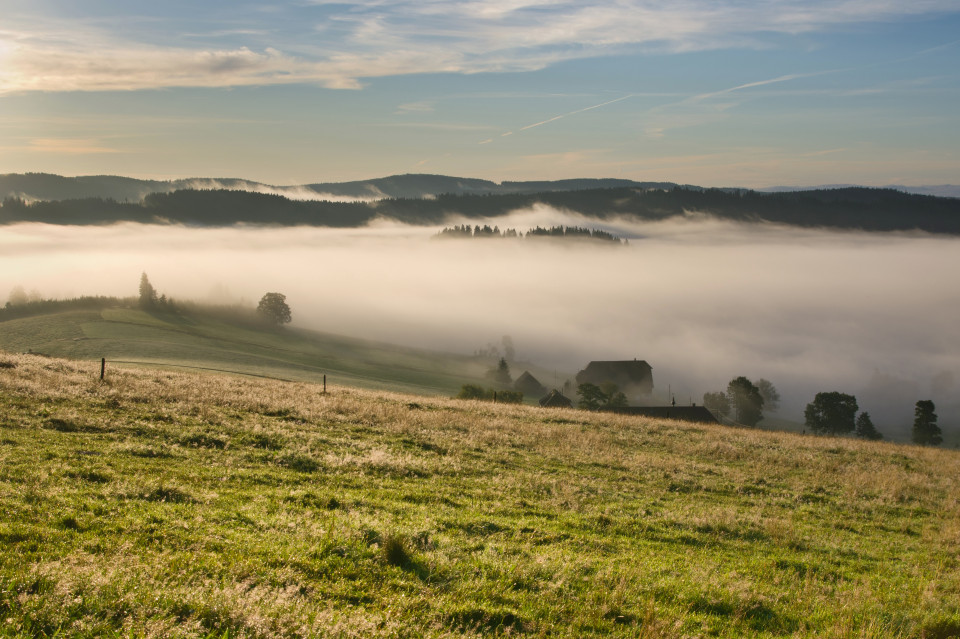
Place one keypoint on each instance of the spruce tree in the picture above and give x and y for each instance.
(865, 428)
(148, 294)
(925, 429)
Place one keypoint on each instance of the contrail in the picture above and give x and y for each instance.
(561, 116)
(760, 83)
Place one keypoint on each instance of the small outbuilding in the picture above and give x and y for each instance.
(556, 399)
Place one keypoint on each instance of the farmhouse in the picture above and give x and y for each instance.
(634, 378)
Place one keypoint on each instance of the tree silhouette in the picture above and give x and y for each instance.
(273, 307)
(770, 395)
(148, 294)
(501, 373)
(833, 413)
(717, 403)
(593, 397)
(865, 428)
(746, 401)
(925, 429)
(18, 297)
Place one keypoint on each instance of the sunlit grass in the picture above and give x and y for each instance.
(162, 503)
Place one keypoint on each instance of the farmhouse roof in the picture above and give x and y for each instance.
(624, 373)
(679, 413)
(555, 399)
(528, 384)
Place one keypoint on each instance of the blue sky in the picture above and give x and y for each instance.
(743, 92)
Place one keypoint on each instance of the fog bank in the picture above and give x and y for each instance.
(701, 300)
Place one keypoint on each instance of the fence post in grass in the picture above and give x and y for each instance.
(324, 384)
(103, 367)
(494, 397)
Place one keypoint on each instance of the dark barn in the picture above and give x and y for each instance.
(634, 378)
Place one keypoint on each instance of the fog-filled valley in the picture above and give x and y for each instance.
(701, 300)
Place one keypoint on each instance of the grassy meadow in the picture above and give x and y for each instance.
(164, 503)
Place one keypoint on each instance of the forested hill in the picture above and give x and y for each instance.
(44, 186)
(845, 208)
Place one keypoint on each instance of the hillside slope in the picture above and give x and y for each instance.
(162, 504)
(204, 341)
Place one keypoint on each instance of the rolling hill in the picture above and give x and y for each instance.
(849, 208)
(204, 340)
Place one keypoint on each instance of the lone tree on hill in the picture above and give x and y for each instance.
(865, 428)
(148, 294)
(831, 413)
(18, 297)
(746, 401)
(501, 373)
(925, 429)
(273, 307)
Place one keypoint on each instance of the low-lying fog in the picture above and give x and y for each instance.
(875, 315)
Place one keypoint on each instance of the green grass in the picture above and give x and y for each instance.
(164, 503)
(200, 340)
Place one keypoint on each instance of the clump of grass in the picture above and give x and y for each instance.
(299, 463)
(61, 425)
(168, 494)
(92, 476)
(395, 550)
(203, 440)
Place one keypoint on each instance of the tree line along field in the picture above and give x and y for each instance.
(159, 503)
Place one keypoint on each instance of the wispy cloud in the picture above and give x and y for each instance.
(349, 42)
(424, 106)
(69, 146)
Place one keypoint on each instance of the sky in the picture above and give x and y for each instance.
(709, 92)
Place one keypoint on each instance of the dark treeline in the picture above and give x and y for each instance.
(242, 314)
(41, 306)
(846, 208)
(564, 232)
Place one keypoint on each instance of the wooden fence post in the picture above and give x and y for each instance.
(103, 367)
(324, 384)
